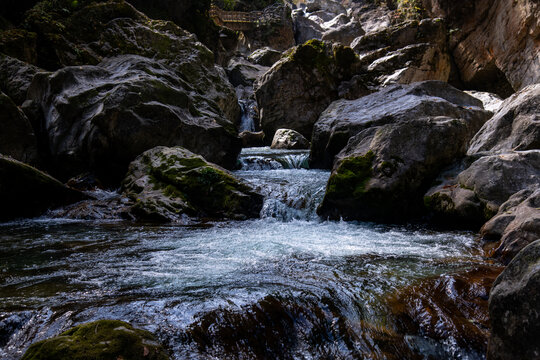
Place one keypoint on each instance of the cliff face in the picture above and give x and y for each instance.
(495, 43)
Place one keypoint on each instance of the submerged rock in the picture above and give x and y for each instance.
(174, 184)
(26, 191)
(103, 339)
(289, 139)
(99, 118)
(17, 137)
(516, 225)
(513, 308)
(294, 92)
(515, 126)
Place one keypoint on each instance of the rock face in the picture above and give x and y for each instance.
(243, 72)
(513, 308)
(294, 92)
(103, 339)
(16, 77)
(289, 139)
(26, 191)
(496, 43)
(100, 118)
(173, 184)
(344, 119)
(344, 34)
(409, 52)
(17, 137)
(516, 224)
(265, 56)
(515, 126)
(492, 102)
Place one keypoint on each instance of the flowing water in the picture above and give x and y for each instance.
(286, 286)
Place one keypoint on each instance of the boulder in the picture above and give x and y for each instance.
(252, 138)
(103, 339)
(383, 172)
(344, 119)
(472, 196)
(295, 91)
(289, 139)
(26, 191)
(513, 308)
(244, 72)
(516, 225)
(99, 118)
(331, 6)
(17, 138)
(265, 56)
(515, 126)
(492, 102)
(494, 43)
(305, 29)
(174, 184)
(16, 77)
(344, 34)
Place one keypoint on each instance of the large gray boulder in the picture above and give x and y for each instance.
(99, 118)
(344, 119)
(17, 137)
(513, 308)
(344, 34)
(244, 72)
(289, 139)
(174, 184)
(26, 191)
(305, 28)
(265, 56)
(383, 172)
(515, 126)
(474, 195)
(295, 91)
(516, 225)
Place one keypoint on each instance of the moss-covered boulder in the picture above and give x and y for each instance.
(26, 191)
(409, 135)
(104, 340)
(294, 92)
(174, 184)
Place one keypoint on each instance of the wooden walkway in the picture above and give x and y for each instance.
(237, 20)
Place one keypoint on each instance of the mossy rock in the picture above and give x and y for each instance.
(103, 340)
(351, 177)
(168, 184)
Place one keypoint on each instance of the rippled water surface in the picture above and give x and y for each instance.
(288, 285)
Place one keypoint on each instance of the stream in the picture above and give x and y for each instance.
(286, 286)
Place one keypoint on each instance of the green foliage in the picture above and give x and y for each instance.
(409, 9)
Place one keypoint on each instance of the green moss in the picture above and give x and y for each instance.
(104, 340)
(351, 177)
(344, 56)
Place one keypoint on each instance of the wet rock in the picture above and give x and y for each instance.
(515, 126)
(243, 72)
(16, 77)
(26, 191)
(103, 339)
(294, 92)
(492, 102)
(102, 206)
(516, 225)
(17, 138)
(449, 308)
(173, 184)
(289, 139)
(513, 308)
(344, 119)
(252, 139)
(494, 43)
(330, 6)
(265, 56)
(99, 118)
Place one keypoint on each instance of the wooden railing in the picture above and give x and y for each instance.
(237, 20)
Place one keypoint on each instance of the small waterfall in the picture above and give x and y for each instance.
(291, 190)
(249, 112)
